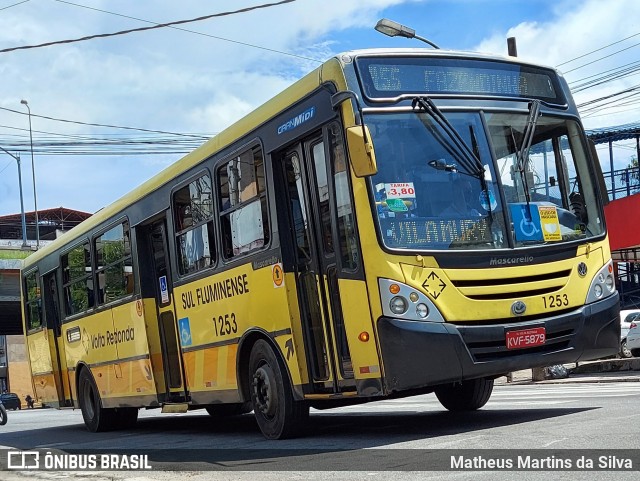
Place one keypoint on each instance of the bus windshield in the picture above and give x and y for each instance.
(427, 198)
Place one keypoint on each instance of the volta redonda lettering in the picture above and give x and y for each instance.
(110, 338)
(216, 291)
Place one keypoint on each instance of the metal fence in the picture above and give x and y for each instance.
(622, 182)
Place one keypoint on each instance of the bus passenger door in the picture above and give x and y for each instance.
(52, 316)
(312, 206)
(164, 346)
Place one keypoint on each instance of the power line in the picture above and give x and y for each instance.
(106, 125)
(592, 62)
(153, 27)
(598, 49)
(606, 97)
(9, 6)
(193, 31)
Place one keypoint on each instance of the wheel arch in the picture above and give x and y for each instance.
(82, 366)
(242, 361)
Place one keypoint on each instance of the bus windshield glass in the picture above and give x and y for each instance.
(384, 78)
(427, 197)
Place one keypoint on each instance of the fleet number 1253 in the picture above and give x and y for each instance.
(555, 302)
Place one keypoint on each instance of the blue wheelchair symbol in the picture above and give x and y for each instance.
(526, 222)
(185, 331)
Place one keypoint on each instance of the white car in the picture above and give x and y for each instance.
(633, 338)
(627, 317)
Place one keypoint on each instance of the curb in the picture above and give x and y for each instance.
(578, 380)
(602, 371)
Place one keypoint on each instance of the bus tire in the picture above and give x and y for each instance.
(96, 418)
(278, 414)
(227, 410)
(3, 415)
(466, 395)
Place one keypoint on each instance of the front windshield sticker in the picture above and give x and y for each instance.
(526, 222)
(550, 223)
(400, 190)
(396, 205)
(534, 222)
(488, 200)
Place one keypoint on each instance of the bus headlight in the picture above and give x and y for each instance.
(610, 283)
(398, 305)
(597, 289)
(603, 284)
(405, 302)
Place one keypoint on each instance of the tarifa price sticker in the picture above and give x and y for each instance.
(400, 190)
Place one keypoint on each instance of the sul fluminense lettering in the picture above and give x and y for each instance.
(232, 286)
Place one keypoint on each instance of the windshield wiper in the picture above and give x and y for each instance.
(522, 155)
(461, 151)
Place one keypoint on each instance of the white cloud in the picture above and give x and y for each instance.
(578, 28)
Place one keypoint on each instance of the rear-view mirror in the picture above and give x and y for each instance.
(361, 154)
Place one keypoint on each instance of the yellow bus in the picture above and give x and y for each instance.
(397, 222)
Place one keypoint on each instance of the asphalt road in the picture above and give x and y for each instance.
(404, 438)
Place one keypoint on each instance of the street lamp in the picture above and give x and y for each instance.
(394, 29)
(33, 171)
(24, 222)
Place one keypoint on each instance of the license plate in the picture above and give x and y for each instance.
(523, 338)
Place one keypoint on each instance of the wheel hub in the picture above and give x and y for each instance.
(263, 390)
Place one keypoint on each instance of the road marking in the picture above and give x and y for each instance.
(51, 445)
(553, 442)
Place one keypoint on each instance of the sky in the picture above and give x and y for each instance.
(177, 86)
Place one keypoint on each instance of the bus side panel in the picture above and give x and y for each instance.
(92, 347)
(133, 373)
(40, 355)
(357, 319)
(211, 374)
(214, 313)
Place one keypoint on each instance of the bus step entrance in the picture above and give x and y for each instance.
(175, 408)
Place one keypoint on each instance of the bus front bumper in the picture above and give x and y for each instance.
(421, 354)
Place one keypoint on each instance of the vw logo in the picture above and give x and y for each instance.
(582, 269)
(518, 308)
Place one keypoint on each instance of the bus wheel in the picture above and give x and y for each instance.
(279, 416)
(96, 418)
(226, 410)
(466, 395)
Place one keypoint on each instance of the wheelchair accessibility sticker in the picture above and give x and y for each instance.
(535, 222)
(185, 331)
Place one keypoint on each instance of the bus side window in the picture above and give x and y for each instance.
(242, 199)
(114, 267)
(348, 239)
(34, 300)
(193, 221)
(78, 280)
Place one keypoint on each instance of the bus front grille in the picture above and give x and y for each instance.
(501, 288)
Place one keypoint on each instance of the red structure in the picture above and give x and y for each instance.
(623, 222)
